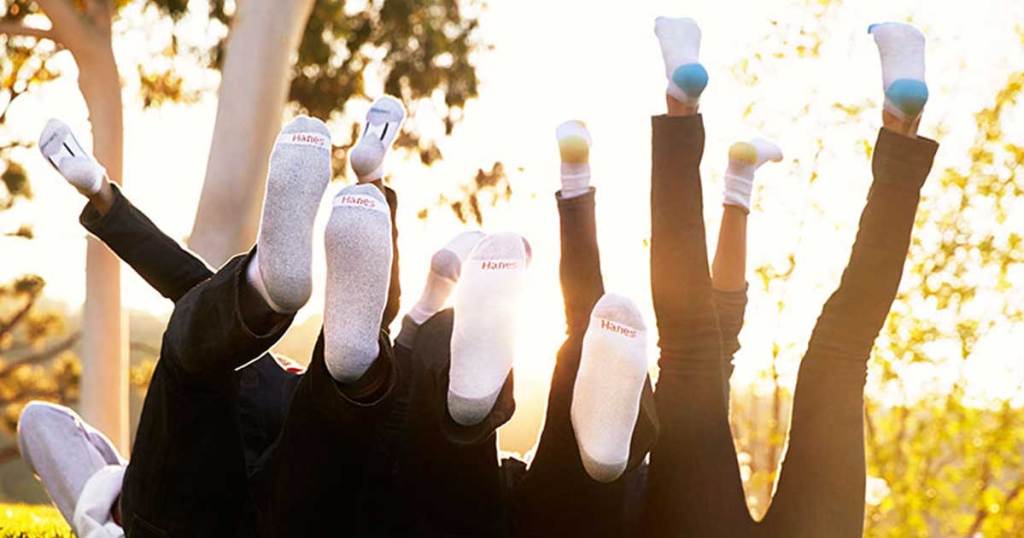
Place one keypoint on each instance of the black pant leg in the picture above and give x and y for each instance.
(821, 487)
(187, 473)
(450, 474)
(314, 481)
(159, 260)
(557, 497)
(730, 306)
(395, 288)
(694, 486)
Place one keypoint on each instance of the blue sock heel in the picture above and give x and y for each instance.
(691, 78)
(908, 96)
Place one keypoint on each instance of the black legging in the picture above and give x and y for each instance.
(694, 486)
(557, 497)
(458, 487)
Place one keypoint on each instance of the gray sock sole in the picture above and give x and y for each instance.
(300, 169)
(358, 244)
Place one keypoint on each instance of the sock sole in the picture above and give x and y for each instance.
(358, 245)
(300, 169)
(609, 382)
(484, 330)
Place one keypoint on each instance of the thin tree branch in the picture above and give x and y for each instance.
(17, 29)
(143, 347)
(69, 24)
(33, 395)
(43, 356)
(13, 321)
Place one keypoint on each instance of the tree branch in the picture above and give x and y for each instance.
(17, 29)
(14, 320)
(33, 395)
(69, 25)
(43, 356)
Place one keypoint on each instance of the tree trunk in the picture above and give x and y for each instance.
(253, 92)
(105, 359)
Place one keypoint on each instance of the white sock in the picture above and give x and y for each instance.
(485, 324)
(383, 123)
(300, 168)
(680, 48)
(901, 48)
(60, 147)
(358, 243)
(609, 383)
(445, 268)
(744, 159)
(574, 147)
(63, 451)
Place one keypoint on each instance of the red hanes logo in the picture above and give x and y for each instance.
(307, 138)
(490, 265)
(357, 201)
(618, 329)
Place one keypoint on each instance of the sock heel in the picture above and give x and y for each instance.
(908, 96)
(743, 153)
(691, 78)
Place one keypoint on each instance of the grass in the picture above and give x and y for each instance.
(32, 521)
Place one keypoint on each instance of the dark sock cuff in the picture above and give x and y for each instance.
(903, 160)
(681, 136)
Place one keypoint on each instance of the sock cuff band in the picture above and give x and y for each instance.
(362, 201)
(575, 170)
(738, 190)
(316, 140)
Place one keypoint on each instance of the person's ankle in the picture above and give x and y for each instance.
(372, 385)
(900, 126)
(677, 108)
(103, 200)
(257, 315)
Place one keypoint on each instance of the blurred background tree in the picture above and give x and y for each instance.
(35, 362)
(312, 56)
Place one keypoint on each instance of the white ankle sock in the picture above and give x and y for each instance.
(300, 168)
(574, 147)
(485, 322)
(358, 243)
(445, 268)
(383, 123)
(63, 451)
(901, 48)
(744, 160)
(609, 382)
(60, 147)
(680, 48)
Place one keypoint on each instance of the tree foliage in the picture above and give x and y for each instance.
(35, 362)
(945, 448)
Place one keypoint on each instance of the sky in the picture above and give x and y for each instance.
(598, 62)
